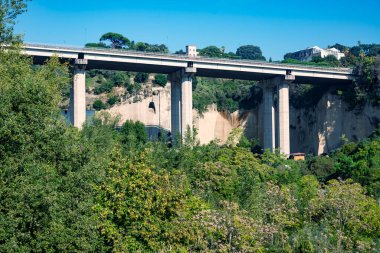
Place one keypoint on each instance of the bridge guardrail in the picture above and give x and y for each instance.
(185, 57)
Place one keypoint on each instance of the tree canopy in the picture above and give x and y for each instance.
(9, 10)
(250, 52)
(211, 51)
(117, 40)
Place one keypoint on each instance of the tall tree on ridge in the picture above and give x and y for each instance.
(117, 40)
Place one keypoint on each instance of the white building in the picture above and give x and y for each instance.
(308, 53)
(191, 51)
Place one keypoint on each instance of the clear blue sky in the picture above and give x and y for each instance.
(276, 26)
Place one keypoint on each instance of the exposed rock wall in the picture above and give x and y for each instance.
(320, 129)
(211, 125)
(315, 130)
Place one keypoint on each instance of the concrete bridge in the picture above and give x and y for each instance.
(181, 69)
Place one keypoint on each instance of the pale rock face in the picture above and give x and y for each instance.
(140, 111)
(315, 130)
(211, 125)
(319, 130)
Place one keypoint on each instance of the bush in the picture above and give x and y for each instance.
(160, 80)
(141, 77)
(306, 95)
(98, 105)
(105, 87)
(112, 100)
(229, 95)
(120, 78)
(133, 131)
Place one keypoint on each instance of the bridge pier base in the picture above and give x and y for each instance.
(78, 94)
(181, 101)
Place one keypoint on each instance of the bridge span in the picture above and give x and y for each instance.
(181, 69)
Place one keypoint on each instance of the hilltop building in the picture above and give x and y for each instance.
(308, 53)
(191, 51)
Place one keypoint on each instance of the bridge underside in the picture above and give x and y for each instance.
(202, 72)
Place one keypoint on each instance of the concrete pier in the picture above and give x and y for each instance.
(181, 101)
(283, 114)
(78, 94)
(176, 102)
(275, 122)
(187, 104)
(269, 115)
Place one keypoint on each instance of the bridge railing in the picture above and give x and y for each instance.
(187, 58)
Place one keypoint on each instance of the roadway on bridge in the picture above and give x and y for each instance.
(207, 67)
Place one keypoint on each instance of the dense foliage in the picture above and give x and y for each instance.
(9, 10)
(161, 80)
(119, 41)
(249, 52)
(109, 189)
(228, 95)
(106, 189)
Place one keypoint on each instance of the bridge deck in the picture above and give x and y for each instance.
(128, 60)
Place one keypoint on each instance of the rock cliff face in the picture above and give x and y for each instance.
(320, 129)
(315, 130)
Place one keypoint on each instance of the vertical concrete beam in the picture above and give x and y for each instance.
(181, 101)
(175, 88)
(187, 104)
(78, 94)
(283, 114)
(269, 115)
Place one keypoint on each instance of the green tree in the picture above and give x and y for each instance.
(160, 80)
(146, 47)
(98, 105)
(340, 47)
(250, 52)
(104, 87)
(348, 215)
(46, 187)
(120, 78)
(117, 40)
(133, 132)
(211, 51)
(139, 208)
(9, 10)
(141, 77)
(112, 100)
(96, 45)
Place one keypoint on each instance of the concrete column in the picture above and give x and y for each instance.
(181, 101)
(175, 107)
(283, 114)
(78, 94)
(187, 104)
(269, 115)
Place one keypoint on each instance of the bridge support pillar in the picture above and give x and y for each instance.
(269, 115)
(181, 101)
(283, 113)
(78, 94)
(276, 133)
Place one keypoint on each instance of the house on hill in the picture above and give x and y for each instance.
(310, 52)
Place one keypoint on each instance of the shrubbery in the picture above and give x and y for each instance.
(141, 77)
(98, 105)
(160, 80)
